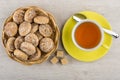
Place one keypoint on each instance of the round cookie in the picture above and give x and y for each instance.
(29, 15)
(11, 29)
(46, 44)
(45, 30)
(18, 16)
(24, 28)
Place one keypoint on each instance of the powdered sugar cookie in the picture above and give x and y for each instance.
(46, 44)
(45, 30)
(24, 28)
(29, 15)
(11, 29)
(18, 16)
(20, 54)
(41, 19)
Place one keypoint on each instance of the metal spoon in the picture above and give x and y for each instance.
(77, 17)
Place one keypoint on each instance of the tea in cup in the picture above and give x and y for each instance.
(87, 35)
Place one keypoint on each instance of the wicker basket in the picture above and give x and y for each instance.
(55, 36)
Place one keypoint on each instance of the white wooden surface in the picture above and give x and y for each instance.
(107, 68)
